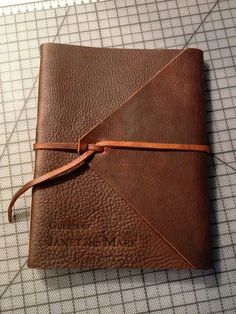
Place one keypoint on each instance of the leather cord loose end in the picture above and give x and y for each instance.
(47, 176)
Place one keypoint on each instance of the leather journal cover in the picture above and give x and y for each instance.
(126, 129)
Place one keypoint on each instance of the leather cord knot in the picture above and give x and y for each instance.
(83, 147)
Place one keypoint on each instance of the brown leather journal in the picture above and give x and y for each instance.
(121, 160)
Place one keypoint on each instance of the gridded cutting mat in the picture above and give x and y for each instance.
(208, 25)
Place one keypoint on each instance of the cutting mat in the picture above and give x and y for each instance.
(208, 25)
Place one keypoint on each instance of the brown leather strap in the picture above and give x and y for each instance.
(88, 150)
(99, 146)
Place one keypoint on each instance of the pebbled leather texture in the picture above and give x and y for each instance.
(123, 208)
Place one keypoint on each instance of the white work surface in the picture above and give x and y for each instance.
(208, 25)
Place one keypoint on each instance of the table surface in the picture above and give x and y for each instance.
(208, 25)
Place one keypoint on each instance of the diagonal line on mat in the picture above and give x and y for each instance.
(223, 162)
(12, 280)
(31, 90)
(203, 20)
(191, 37)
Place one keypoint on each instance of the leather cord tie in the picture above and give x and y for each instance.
(87, 150)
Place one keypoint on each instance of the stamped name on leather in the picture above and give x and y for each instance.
(102, 241)
(99, 241)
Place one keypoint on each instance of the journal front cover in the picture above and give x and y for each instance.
(124, 207)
